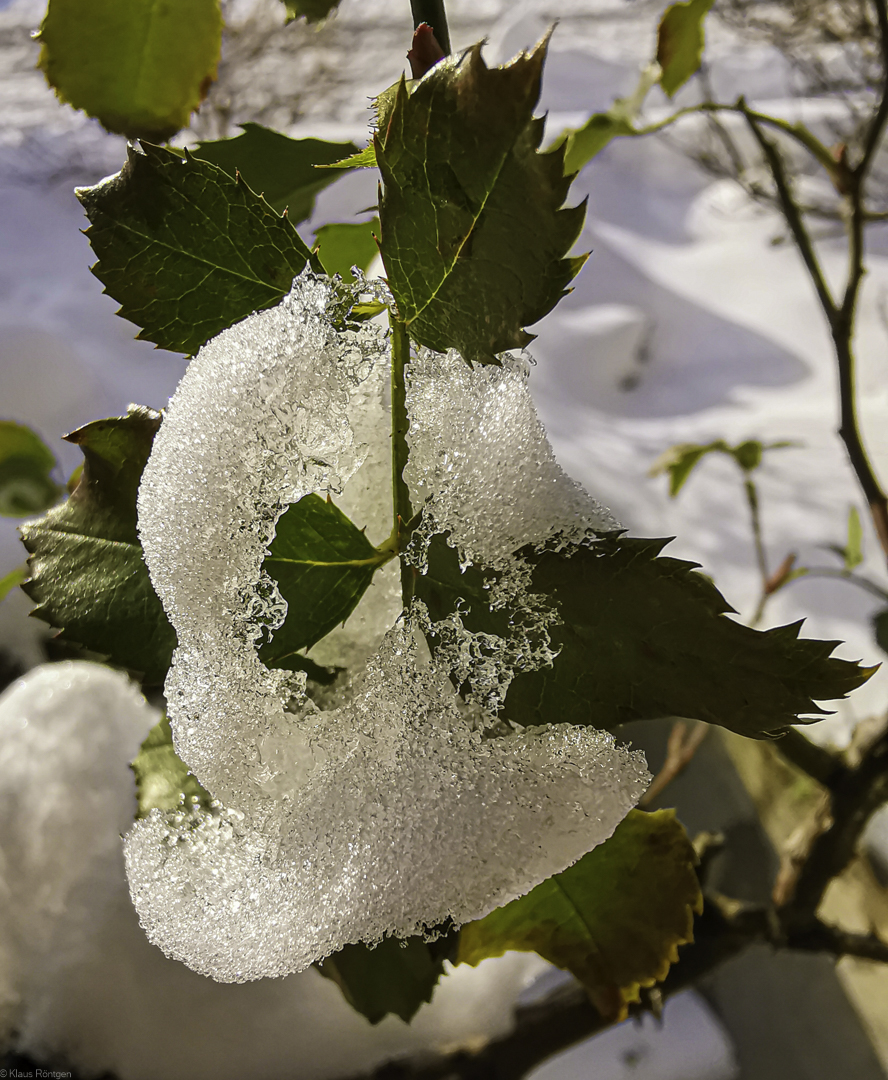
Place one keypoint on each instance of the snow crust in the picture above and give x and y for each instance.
(394, 810)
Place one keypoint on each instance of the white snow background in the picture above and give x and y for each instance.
(685, 293)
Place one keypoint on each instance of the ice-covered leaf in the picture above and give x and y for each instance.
(185, 249)
(279, 168)
(86, 570)
(26, 462)
(344, 245)
(615, 919)
(394, 977)
(323, 564)
(163, 781)
(640, 636)
(474, 233)
(311, 10)
(680, 42)
(139, 67)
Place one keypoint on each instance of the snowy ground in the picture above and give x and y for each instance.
(686, 296)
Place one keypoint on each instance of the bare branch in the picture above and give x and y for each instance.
(680, 750)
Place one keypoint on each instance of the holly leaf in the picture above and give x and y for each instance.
(346, 244)
(680, 43)
(87, 575)
(310, 10)
(473, 235)
(323, 565)
(281, 169)
(393, 977)
(642, 636)
(163, 781)
(615, 919)
(185, 249)
(26, 486)
(140, 67)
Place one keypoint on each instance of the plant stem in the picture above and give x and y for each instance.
(433, 13)
(402, 511)
(840, 318)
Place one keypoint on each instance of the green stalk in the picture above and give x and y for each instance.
(402, 511)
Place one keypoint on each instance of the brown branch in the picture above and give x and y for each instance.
(680, 750)
(820, 764)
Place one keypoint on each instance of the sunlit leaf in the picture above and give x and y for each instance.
(615, 919)
(140, 67)
(310, 10)
(345, 244)
(474, 233)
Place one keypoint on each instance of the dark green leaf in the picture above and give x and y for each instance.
(643, 636)
(281, 169)
(344, 245)
(680, 42)
(584, 143)
(140, 67)
(748, 455)
(473, 235)
(323, 565)
(186, 250)
(880, 627)
(88, 577)
(163, 781)
(311, 10)
(26, 486)
(615, 919)
(394, 977)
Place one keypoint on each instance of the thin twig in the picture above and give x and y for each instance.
(680, 750)
(815, 761)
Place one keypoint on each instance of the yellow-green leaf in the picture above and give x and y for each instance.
(615, 919)
(139, 66)
(163, 781)
(680, 42)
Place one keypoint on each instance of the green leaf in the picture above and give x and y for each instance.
(853, 553)
(680, 42)
(311, 10)
(394, 977)
(10, 580)
(363, 159)
(163, 781)
(473, 237)
(642, 636)
(615, 919)
(26, 486)
(281, 169)
(186, 250)
(88, 577)
(880, 628)
(323, 565)
(140, 67)
(344, 245)
(680, 460)
(584, 143)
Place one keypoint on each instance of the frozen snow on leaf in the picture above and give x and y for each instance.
(481, 462)
(394, 809)
(411, 816)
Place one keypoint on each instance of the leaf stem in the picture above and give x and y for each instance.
(432, 12)
(402, 511)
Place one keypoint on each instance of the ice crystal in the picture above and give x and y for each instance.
(392, 810)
